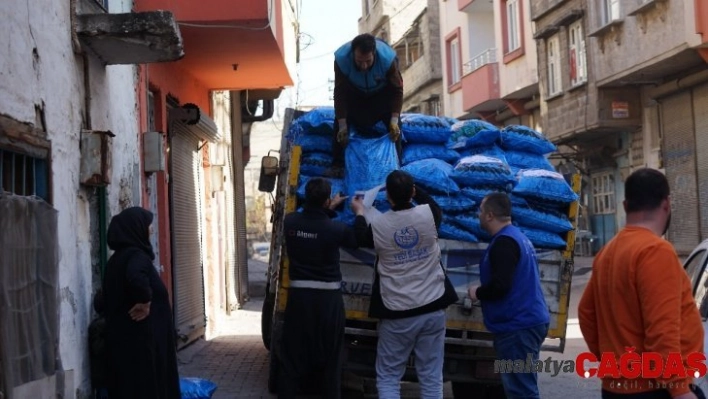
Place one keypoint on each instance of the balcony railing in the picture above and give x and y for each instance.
(488, 56)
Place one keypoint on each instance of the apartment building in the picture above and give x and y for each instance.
(413, 29)
(490, 61)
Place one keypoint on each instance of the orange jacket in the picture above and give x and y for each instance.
(640, 296)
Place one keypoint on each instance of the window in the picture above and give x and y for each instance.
(513, 26)
(576, 40)
(554, 73)
(610, 11)
(453, 57)
(23, 175)
(603, 192)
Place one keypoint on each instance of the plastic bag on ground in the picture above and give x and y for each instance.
(473, 133)
(368, 162)
(196, 388)
(544, 185)
(480, 170)
(543, 239)
(523, 138)
(416, 152)
(433, 175)
(425, 129)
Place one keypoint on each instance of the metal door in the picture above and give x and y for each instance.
(680, 163)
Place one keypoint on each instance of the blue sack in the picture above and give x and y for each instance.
(319, 120)
(315, 163)
(523, 138)
(493, 151)
(552, 222)
(545, 186)
(470, 222)
(449, 231)
(543, 239)
(425, 129)
(314, 143)
(433, 175)
(337, 185)
(478, 193)
(416, 152)
(480, 170)
(368, 162)
(196, 388)
(454, 203)
(527, 160)
(473, 133)
(368, 132)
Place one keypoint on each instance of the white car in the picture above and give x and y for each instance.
(696, 267)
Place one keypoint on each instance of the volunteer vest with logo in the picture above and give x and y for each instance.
(524, 306)
(410, 275)
(373, 79)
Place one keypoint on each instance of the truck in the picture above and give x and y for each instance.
(469, 354)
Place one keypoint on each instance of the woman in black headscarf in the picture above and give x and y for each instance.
(140, 332)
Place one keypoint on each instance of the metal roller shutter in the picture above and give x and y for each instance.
(700, 105)
(680, 164)
(185, 207)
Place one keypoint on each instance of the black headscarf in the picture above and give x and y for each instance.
(130, 228)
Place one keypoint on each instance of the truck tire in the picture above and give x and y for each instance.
(267, 318)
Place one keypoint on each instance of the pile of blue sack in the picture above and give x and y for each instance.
(457, 162)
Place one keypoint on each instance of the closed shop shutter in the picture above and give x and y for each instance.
(185, 207)
(680, 164)
(700, 105)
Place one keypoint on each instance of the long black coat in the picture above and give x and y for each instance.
(142, 359)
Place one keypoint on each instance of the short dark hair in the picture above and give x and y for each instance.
(317, 192)
(644, 190)
(399, 186)
(366, 43)
(498, 204)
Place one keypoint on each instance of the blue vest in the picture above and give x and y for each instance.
(372, 80)
(524, 306)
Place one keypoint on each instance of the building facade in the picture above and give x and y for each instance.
(412, 29)
(490, 61)
(113, 104)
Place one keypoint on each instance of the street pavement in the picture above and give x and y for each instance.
(237, 361)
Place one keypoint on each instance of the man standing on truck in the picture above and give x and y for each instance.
(409, 293)
(368, 88)
(639, 295)
(513, 306)
(313, 327)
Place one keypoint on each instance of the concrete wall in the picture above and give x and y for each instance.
(522, 72)
(398, 15)
(40, 76)
(667, 28)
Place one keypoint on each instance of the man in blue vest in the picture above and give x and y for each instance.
(513, 305)
(368, 88)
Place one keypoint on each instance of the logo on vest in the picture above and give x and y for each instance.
(406, 237)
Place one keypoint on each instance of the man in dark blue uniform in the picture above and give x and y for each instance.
(313, 327)
(368, 88)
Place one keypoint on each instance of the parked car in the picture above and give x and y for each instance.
(696, 267)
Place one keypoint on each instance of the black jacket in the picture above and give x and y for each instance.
(312, 240)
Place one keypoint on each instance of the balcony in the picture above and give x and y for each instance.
(480, 83)
(231, 46)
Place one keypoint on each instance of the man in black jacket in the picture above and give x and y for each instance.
(313, 327)
(410, 293)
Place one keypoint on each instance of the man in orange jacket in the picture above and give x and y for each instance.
(639, 295)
